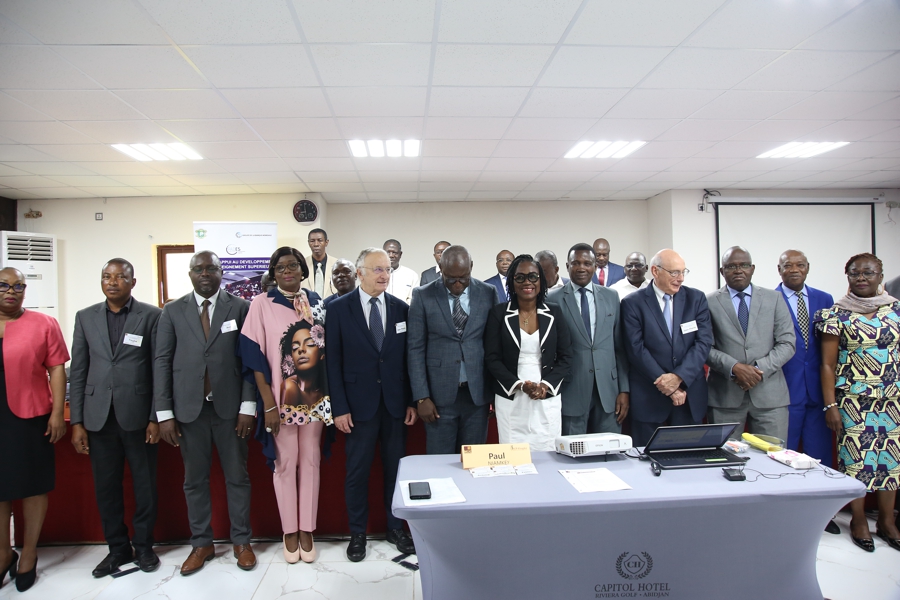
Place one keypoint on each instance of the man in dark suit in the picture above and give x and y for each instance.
(595, 393)
(202, 401)
(668, 335)
(370, 394)
(607, 273)
(550, 267)
(434, 273)
(112, 414)
(343, 279)
(446, 354)
(504, 259)
(892, 287)
(753, 338)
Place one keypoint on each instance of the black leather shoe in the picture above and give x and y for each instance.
(895, 544)
(401, 539)
(832, 527)
(11, 569)
(24, 581)
(148, 561)
(356, 549)
(111, 563)
(867, 545)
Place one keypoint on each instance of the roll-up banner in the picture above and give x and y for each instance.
(244, 248)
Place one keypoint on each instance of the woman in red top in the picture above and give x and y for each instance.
(31, 420)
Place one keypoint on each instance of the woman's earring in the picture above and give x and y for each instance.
(880, 289)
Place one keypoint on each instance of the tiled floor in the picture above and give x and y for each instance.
(64, 573)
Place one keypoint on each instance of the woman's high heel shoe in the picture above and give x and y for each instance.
(310, 556)
(25, 580)
(11, 569)
(291, 557)
(893, 543)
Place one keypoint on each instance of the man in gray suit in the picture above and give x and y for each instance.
(434, 273)
(202, 400)
(595, 394)
(753, 337)
(446, 354)
(112, 415)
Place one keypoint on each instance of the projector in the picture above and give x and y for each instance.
(592, 444)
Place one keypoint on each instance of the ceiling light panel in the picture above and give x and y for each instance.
(802, 149)
(391, 148)
(603, 149)
(159, 152)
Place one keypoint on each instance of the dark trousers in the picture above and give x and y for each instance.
(359, 446)
(110, 448)
(642, 431)
(461, 423)
(197, 440)
(596, 420)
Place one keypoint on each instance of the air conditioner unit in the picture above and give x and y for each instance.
(35, 255)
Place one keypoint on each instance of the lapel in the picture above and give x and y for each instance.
(755, 301)
(678, 301)
(220, 315)
(103, 325)
(655, 310)
(132, 321)
(545, 322)
(725, 301)
(600, 313)
(442, 297)
(390, 329)
(571, 304)
(360, 318)
(192, 316)
(512, 324)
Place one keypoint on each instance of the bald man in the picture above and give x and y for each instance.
(668, 335)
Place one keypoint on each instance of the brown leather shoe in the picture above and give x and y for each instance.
(197, 558)
(246, 560)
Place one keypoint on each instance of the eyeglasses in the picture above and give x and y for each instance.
(676, 274)
(211, 269)
(16, 287)
(504, 260)
(850, 275)
(380, 270)
(288, 267)
(454, 280)
(118, 277)
(531, 277)
(732, 268)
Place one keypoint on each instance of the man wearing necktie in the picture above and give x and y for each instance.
(753, 338)
(667, 335)
(320, 265)
(202, 401)
(366, 338)
(446, 354)
(595, 394)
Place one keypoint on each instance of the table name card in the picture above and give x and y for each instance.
(492, 455)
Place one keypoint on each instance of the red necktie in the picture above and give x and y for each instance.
(601, 278)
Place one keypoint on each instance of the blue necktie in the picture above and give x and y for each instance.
(667, 312)
(585, 314)
(375, 325)
(743, 312)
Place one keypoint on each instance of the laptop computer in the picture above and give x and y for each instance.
(692, 446)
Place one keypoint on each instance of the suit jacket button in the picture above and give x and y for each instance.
(380, 360)
(206, 354)
(114, 363)
(109, 387)
(591, 370)
(377, 381)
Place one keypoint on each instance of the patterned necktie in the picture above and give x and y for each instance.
(204, 322)
(459, 316)
(743, 312)
(375, 325)
(585, 312)
(320, 281)
(803, 319)
(667, 312)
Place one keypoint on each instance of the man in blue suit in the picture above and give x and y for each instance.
(370, 395)
(668, 334)
(446, 354)
(607, 273)
(504, 259)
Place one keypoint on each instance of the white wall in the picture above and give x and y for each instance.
(486, 228)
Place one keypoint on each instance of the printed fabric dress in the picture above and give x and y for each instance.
(867, 393)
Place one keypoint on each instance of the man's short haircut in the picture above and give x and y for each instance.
(361, 260)
(455, 253)
(656, 261)
(341, 261)
(392, 241)
(547, 255)
(581, 247)
(122, 263)
(442, 242)
(317, 230)
(734, 249)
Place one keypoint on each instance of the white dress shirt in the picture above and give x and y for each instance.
(403, 280)
(367, 308)
(623, 287)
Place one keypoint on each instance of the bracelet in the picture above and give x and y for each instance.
(271, 409)
(827, 406)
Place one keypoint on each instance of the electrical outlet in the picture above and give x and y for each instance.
(701, 208)
(98, 216)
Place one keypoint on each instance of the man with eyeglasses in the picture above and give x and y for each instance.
(446, 354)
(371, 399)
(203, 401)
(112, 417)
(434, 273)
(504, 259)
(403, 279)
(668, 335)
(753, 338)
(635, 275)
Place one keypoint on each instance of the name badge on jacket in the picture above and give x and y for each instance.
(229, 326)
(688, 327)
(401, 327)
(133, 339)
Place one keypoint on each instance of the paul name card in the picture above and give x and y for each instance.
(492, 455)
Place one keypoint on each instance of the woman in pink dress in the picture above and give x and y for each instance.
(282, 348)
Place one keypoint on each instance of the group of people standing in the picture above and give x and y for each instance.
(551, 355)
